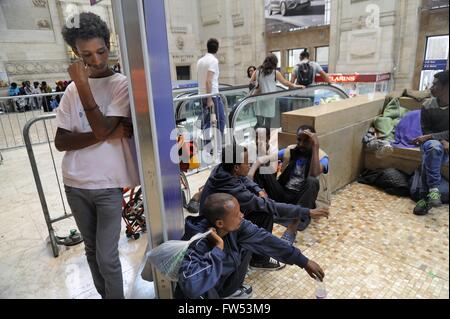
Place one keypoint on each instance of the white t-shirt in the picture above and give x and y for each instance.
(208, 63)
(108, 164)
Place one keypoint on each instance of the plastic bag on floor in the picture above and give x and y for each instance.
(168, 256)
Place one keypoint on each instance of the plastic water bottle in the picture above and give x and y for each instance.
(321, 291)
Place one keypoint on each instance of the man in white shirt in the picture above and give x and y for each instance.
(305, 72)
(208, 83)
(94, 130)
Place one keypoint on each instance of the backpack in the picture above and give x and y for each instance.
(391, 180)
(305, 74)
(54, 104)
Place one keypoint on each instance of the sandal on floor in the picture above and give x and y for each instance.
(288, 237)
(73, 239)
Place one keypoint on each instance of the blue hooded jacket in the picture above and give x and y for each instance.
(205, 267)
(246, 192)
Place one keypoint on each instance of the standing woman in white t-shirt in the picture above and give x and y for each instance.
(94, 130)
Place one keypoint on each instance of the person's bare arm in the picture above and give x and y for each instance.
(253, 79)
(316, 168)
(325, 76)
(68, 141)
(261, 161)
(101, 125)
(209, 80)
(294, 77)
(282, 80)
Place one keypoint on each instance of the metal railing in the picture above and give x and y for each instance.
(16, 111)
(40, 189)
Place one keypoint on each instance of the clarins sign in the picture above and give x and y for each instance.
(342, 78)
(356, 78)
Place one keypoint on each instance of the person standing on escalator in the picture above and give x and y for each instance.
(265, 79)
(305, 72)
(208, 83)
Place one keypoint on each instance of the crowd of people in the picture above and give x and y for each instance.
(47, 103)
(239, 202)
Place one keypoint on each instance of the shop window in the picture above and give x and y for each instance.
(294, 57)
(327, 12)
(436, 4)
(278, 55)
(183, 72)
(436, 59)
(322, 56)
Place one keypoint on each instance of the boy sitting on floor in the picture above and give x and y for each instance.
(216, 267)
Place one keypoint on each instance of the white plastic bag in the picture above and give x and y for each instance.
(168, 256)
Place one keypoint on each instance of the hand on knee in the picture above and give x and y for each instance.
(433, 146)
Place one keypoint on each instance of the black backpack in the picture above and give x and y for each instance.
(305, 74)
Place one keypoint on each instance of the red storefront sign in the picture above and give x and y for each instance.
(355, 78)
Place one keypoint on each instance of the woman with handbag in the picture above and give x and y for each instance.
(266, 78)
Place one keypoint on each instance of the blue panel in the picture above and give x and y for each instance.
(155, 19)
(184, 84)
(436, 65)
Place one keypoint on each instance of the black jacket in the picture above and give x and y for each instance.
(246, 192)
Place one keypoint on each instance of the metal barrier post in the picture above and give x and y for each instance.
(48, 220)
(10, 116)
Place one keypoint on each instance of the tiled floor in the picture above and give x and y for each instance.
(372, 246)
(27, 266)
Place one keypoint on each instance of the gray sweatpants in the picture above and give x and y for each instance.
(98, 214)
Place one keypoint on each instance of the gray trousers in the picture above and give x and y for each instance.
(98, 214)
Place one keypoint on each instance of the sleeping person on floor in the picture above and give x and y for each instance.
(230, 177)
(215, 267)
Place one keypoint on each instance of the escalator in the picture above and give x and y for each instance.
(244, 117)
(241, 109)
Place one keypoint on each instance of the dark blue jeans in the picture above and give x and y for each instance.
(205, 118)
(433, 157)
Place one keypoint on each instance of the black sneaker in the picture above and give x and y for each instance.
(422, 208)
(434, 199)
(271, 265)
(244, 292)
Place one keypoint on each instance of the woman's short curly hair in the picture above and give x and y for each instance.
(90, 26)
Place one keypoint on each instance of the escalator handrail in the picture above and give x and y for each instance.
(193, 89)
(183, 100)
(250, 99)
(195, 97)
